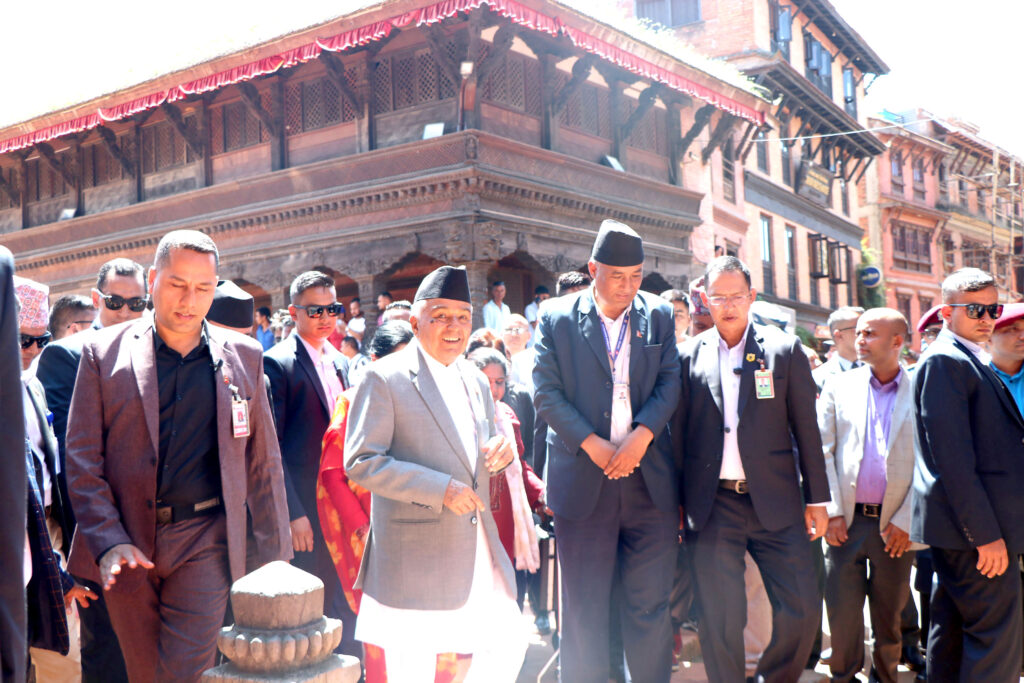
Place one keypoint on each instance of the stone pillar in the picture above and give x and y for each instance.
(479, 287)
(280, 632)
(369, 287)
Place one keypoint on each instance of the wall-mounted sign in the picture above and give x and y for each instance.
(870, 276)
(815, 183)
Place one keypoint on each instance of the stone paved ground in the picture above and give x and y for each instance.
(540, 652)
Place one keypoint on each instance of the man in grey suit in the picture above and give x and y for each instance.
(607, 383)
(422, 439)
(747, 400)
(842, 324)
(866, 419)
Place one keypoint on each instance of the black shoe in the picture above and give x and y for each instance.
(913, 658)
(543, 624)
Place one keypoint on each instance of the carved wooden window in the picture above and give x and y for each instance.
(233, 127)
(903, 305)
(649, 133)
(728, 173)
(11, 176)
(918, 178)
(514, 83)
(45, 183)
(99, 167)
(312, 104)
(976, 255)
(911, 247)
(164, 148)
(896, 171)
(409, 79)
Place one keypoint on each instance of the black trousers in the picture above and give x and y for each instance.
(976, 623)
(319, 564)
(102, 661)
(857, 569)
(627, 531)
(785, 560)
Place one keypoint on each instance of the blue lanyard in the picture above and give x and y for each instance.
(618, 346)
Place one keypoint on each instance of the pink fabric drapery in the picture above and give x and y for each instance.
(432, 13)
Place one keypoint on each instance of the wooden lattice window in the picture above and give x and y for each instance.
(12, 181)
(514, 83)
(164, 148)
(45, 183)
(99, 167)
(911, 247)
(409, 79)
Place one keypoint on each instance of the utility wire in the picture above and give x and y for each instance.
(855, 132)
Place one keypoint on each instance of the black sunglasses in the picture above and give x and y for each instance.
(333, 310)
(137, 304)
(28, 340)
(975, 311)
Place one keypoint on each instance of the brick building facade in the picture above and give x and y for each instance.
(379, 145)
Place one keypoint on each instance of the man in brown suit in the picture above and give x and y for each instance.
(165, 472)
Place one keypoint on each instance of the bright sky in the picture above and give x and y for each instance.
(951, 58)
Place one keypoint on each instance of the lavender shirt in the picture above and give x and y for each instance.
(881, 402)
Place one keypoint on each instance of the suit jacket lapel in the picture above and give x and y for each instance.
(143, 357)
(229, 369)
(637, 338)
(306, 363)
(901, 411)
(1001, 390)
(431, 395)
(752, 348)
(709, 367)
(590, 328)
(44, 425)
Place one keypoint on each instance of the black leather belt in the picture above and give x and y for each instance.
(868, 509)
(734, 485)
(179, 513)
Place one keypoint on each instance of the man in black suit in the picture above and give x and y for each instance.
(307, 375)
(747, 399)
(967, 491)
(119, 296)
(607, 383)
(12, 483)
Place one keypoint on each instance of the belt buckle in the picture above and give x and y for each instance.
(872, 509)
(740, 486)
(164, 515)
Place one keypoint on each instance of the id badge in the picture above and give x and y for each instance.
(240, 418)
(764, 387)
(620, 392)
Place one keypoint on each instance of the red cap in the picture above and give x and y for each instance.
(930, 318)
(1011, 314)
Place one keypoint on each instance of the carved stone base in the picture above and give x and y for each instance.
(334, 669)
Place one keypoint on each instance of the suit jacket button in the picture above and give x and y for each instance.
(607, 414)
(608, 385)
(727, 429)
(472, 520)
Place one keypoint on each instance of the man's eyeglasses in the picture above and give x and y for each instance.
(976, 311)
(136, 304)
(734, 300)
(333, 310)
(519, 329)
(28, 340)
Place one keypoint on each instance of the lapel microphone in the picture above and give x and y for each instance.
(737, 371)
(217, 364)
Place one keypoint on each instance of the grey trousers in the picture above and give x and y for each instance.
(859, 569)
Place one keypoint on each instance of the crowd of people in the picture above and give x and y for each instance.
(698, 466)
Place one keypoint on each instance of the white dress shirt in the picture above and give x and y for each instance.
(981, 354)
(494, 317)
(622, 410)
(490, 614)
(729, 360)
(323, 361)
